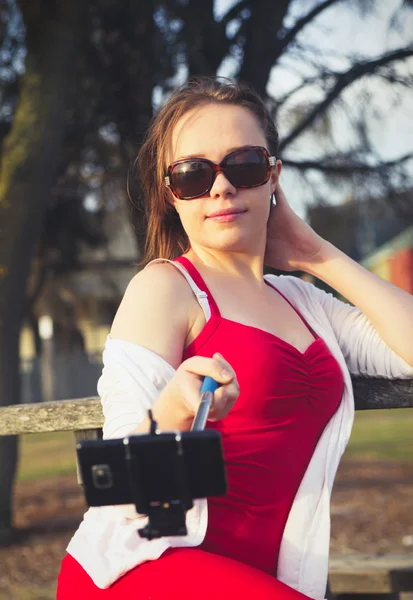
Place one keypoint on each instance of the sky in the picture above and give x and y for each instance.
(337, 32)
(347, 32)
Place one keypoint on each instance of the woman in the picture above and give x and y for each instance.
(282, 349)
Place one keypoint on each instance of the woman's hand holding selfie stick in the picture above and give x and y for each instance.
(178, 403)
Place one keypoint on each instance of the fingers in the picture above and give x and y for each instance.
(193, 370)
(224, 399)
(279, 195)
(216, 367)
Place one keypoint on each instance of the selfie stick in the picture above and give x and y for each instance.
(169, 518)
(208, 388)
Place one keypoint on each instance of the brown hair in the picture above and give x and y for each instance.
(165, 236)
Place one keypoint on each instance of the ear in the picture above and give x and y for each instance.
(275, 175)
(170, 200)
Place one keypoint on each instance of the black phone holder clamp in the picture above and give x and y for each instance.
(161, 473)
(165, 517)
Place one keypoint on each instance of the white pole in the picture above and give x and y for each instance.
(46, 361)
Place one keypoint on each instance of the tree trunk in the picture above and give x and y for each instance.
(31, 153)
(261, 40)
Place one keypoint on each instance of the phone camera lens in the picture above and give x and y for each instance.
(102, 477)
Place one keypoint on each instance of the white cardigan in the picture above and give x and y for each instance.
(107, 544)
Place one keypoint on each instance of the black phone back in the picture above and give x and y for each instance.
(147, 467)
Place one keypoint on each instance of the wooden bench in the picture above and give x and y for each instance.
(351, 576)
(387, 576)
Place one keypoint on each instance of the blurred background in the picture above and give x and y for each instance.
(79, 82)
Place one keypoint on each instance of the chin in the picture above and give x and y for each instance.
(230, 242)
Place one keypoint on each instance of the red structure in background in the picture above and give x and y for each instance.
(401, 269)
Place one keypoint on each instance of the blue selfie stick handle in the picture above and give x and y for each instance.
(208, 388)
(209, 385)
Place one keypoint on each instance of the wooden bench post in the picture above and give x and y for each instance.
(85, 434)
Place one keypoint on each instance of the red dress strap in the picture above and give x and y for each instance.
(316, 336)
(196, 276)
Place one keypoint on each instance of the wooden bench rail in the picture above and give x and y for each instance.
(86, 413)
(59, 415)
(365, 574)
(371, 393)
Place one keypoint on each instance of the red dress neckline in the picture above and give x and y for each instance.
(216, 318)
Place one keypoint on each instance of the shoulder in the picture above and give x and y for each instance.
(307, 297)
(323, 306)
(156, 311)
(295, 287)
(159, 289)
(159, 278)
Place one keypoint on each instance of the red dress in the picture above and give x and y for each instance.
(286, 399)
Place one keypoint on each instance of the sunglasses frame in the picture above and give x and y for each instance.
(217, 168)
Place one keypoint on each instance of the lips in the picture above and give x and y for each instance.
(226, 211)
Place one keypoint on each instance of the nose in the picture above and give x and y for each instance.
(222, 188)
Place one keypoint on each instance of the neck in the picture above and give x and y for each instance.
(237, 265)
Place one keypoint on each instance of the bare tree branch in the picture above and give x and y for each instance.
(345, 168)
(301, 23)
(256, 51)
(234, 12)
(343, 80)
(395, 78)
(308, 81)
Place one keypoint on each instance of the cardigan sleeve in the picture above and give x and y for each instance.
(106, 543)
(132, 379)
(364, 350)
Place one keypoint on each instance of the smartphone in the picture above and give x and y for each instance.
(104, 472)
(145, 469)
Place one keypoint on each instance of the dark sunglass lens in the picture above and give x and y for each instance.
(191, 178)
(247, 168)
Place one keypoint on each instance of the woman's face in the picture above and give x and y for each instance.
(211, 132)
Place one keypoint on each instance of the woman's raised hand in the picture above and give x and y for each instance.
(292, 245)
(182, 394)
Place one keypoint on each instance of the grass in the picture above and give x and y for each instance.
(46, 455)
(380, 434)
(19, 592)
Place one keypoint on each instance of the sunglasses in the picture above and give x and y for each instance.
(247, 167)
